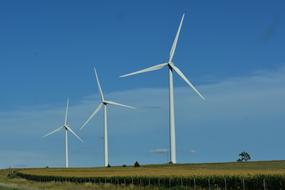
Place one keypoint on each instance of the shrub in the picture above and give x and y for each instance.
(136, 164)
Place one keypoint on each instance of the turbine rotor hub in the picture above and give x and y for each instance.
(170, 64)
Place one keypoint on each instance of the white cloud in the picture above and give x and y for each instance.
(193, 151)
(159, 151)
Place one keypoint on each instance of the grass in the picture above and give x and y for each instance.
(185, 170)
(16, 183)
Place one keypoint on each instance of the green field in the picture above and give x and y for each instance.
(253, 174)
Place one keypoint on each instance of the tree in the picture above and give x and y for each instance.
(137, 164)
(244, 157)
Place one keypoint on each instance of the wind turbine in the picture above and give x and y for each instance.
(104, 103)
(66, 128)
(171, 67)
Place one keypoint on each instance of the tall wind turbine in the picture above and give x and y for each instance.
(66, 128)
(171, 67)
(104, 103)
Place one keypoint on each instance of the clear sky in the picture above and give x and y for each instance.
(233, 51)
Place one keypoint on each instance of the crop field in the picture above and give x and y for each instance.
(263, 175)
(184, 170)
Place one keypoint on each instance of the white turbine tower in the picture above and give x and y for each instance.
(171, 68)
(66, 128)
(104, 103)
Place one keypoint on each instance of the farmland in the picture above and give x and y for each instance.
(234, 175)
(185, 170)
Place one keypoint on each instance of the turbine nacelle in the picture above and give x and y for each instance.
(170, 64)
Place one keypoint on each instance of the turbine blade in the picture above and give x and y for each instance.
(66, 111)
(98, 83)
(172, 51)
(118, 104)
(54, 131)
(91, 116)
(153, 68)
(69, 129)
(186, 80)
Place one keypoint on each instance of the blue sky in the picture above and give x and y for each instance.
(232, 50)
